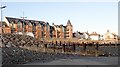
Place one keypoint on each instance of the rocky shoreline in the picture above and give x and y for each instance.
(16, 55)
(13, 51)
(16, 40)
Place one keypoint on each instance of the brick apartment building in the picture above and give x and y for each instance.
(40, 29)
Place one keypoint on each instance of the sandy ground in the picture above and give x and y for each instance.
(80, 61)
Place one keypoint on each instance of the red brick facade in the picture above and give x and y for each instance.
(40, 29)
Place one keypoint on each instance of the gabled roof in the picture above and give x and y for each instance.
(87, 33)
(2, 23)
(108, 32)
(113, 34)
(80, 33)
(94, 34)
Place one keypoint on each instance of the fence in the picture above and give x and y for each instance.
(91, 49)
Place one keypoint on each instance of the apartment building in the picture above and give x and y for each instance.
(40, 29)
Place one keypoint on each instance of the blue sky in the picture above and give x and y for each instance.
(61, 0)
(85, 16)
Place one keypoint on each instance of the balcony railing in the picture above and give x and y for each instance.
(66, 32)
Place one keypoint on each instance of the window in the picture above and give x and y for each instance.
(62, 28)
(38, 26)
(34, 27)
(29, 24)
(12, 27)
(19, 25)
(47, 27)
(23, 24)
(108, 36)
(42, 27)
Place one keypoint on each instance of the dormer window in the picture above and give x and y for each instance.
(39, 24)
(19, 25)
(47, 26)
(62, 28)
(29, 24)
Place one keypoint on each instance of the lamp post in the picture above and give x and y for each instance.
(2, 7)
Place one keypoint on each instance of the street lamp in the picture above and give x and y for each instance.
(2, 7)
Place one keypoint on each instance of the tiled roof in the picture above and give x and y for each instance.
(94, 34)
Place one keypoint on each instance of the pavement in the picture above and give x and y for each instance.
(80, 61)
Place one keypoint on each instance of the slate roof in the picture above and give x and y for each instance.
(11, 19)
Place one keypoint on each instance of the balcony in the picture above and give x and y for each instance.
(66, 32)
(66, 29)
(67, 35)
(58, 32)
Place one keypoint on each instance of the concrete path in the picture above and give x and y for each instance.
(81, 61)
